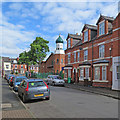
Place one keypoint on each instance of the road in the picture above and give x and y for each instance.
(66, 103)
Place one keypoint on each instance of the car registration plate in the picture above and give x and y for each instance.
(38, 95)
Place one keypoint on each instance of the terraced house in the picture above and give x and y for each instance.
(93, 58)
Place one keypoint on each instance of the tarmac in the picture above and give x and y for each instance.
(97, 90)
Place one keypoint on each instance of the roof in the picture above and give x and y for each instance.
(5, 59)
(106, 18)
(85, 63)
(59, 40)
(92, 27)
(101, 61)
(75, 36)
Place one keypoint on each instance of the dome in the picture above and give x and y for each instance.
(59, 40)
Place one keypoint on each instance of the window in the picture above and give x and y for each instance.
(61, 60)
(81, 73)
(97, 73)
(69, 58)
(7, 66)
(65, 74)
(102, 28)
(21, 66)
(25, 66)
(85, 54)
(86, 36)
(101, 51)
(78, 57)
(86, 73)
(16, 66)
(118, 72)
(103, 72)
(74, 56)
(69, 42)
(52, 62)
(69, 73)
(57, 61)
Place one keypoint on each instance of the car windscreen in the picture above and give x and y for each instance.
(56, 77)
(36, 84)
(20, 79)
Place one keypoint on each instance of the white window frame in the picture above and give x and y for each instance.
(74, 56)
(101, 51)
(104, 77)
(81, 73)
(69, 43)
(102, 28)
(69, 58)
(87, 73)
(86, 55)
(85, 35)
(97, 74)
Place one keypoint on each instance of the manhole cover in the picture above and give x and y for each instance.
(6, 105)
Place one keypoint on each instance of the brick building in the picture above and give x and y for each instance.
(56, 61)
(95, 54)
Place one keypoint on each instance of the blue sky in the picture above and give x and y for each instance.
(22, 22)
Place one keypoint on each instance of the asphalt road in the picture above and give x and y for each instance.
(71, 103)
(64, 103)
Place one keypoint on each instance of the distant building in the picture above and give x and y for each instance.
(56, 61)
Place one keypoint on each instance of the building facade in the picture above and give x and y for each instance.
(94, 55)
(56, 61)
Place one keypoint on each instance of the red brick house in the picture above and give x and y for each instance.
(56, 61)
(91, 56)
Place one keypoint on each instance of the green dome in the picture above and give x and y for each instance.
(59, 40)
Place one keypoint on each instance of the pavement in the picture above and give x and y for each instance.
(97, 90)
(12, 106)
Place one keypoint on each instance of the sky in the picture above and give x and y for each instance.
(21, 22)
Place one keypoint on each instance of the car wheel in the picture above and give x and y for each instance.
(24, 99)
(48, 98)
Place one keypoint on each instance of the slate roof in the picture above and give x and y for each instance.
(5, 59)
(74, 36)
(106, 18)
(92, 27)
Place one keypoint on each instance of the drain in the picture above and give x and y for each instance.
(6, 105)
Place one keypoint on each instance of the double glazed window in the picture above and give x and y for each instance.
(103, 72)
(74, 56)
(101, 51)
(86, 36)
(97, 73)
(118, 72)
(69, 58)
(69, 42)
(85, 54)
(86, 73)
(78, 58)
(102, 28)
(81, 73)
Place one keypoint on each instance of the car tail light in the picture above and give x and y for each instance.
(46, 84)
(11, 79)
(27, 87)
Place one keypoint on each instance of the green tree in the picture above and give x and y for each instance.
(38, 48)
(24, 58)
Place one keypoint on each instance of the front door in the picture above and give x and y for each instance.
(74, 75)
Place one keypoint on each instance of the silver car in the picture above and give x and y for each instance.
(33, 89)
(55, 80)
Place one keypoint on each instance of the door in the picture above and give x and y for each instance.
(74, 75)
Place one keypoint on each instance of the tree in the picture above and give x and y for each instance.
(24, 58)
(38, 51)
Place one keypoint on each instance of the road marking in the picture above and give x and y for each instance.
(6, 105)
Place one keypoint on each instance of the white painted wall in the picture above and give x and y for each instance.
(7, 63)
(115, 81)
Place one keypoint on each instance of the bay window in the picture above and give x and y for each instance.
(97, 73)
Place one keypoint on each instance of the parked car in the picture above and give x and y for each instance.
(17, 81)
(11, 80)
(55, 80)
(30, 89)
(8, 77)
